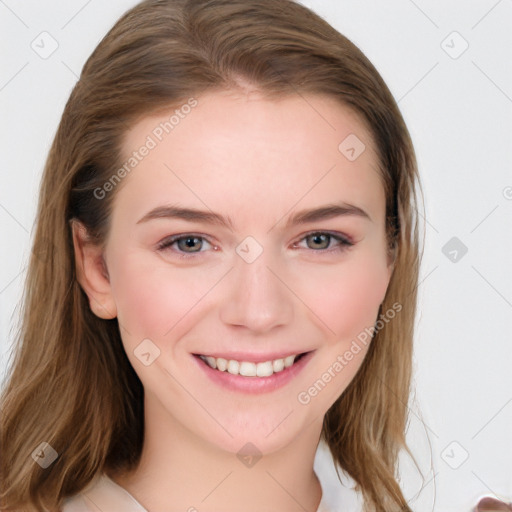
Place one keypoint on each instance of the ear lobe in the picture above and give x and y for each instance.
(92, 273)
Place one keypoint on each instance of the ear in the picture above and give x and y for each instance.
(391, 260)
(390, 267)
(92, 273)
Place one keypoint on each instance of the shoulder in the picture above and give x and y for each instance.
(102, 495)
(75, 503)
(80, 502)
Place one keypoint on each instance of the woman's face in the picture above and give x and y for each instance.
(248, 230)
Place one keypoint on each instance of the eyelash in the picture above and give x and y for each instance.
(344, 243)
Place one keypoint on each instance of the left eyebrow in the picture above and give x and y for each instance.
(326, 212)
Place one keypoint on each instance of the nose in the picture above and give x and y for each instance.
(255, 296)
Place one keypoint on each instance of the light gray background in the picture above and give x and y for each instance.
(458, 107)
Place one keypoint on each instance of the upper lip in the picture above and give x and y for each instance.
(252, 358)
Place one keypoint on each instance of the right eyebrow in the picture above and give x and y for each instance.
(190, 214)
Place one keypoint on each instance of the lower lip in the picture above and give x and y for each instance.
(254, 385)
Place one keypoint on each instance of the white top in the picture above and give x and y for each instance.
(104, 495)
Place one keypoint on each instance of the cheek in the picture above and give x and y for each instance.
(347, 298)
(156, 301)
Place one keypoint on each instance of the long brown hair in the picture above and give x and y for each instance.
(70, 383)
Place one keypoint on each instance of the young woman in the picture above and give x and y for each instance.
(228, 214)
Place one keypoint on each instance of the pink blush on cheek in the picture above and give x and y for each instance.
(351, 305)
(161, 306)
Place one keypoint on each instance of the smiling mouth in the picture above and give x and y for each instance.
(250, 369)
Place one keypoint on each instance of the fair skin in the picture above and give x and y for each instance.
(257, 162)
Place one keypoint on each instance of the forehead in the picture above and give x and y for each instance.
(251, 118)
(241, 148)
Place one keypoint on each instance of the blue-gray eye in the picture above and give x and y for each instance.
(321, 241)
(318, 241)
(190, 244)
(187, 244)
(324, 241)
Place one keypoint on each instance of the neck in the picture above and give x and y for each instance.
(179, 471)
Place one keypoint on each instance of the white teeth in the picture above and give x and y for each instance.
(233, 367)
(249, 369)
(288, 361)
(264, 369)
(278, 365)
(211, 361)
